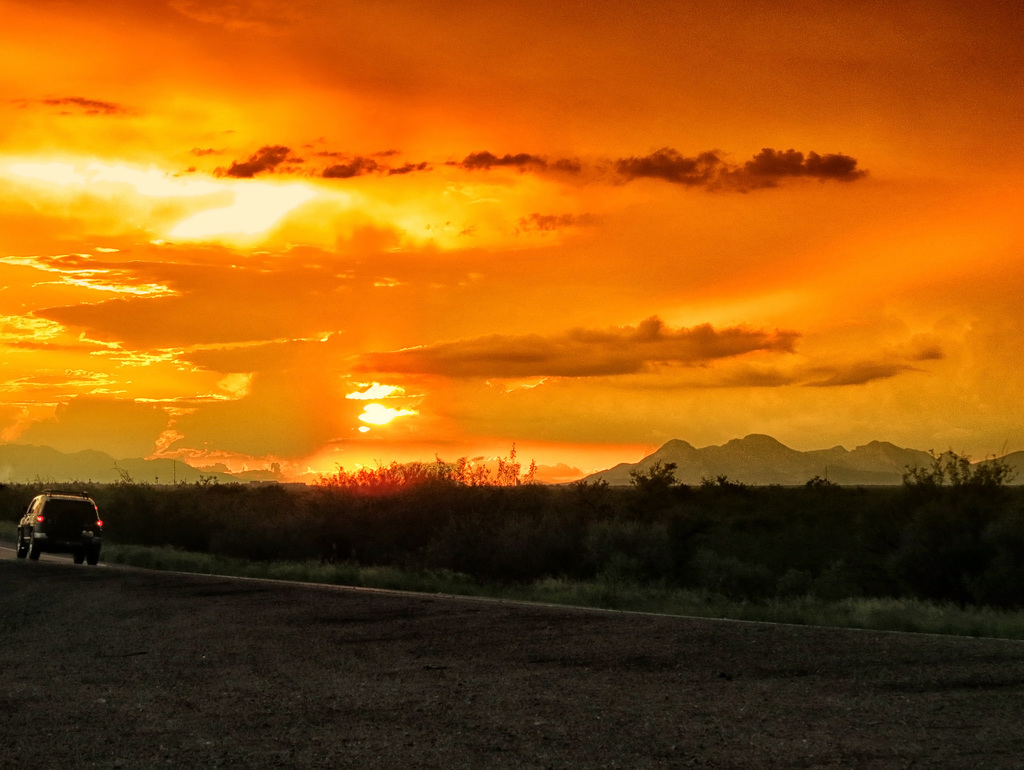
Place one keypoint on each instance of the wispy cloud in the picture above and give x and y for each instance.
(78, 105)
(549, 222)
(18, 329)
(857, 373)
(408, 168)
(83, 271)
(69, 381)
(250, 16)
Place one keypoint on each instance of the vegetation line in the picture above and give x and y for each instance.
(943, 553)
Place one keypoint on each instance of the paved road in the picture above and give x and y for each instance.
(114, 668)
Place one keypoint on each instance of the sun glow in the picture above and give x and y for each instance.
(256, 209)
(236, 207)
(152, 182)
(378, 414)
(149, 182)
(54, 173)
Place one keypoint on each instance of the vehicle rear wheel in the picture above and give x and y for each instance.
(22, 549)
(93, 556)
(79, 557)
(33, 552)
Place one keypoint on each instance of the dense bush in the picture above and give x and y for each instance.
(951, 533)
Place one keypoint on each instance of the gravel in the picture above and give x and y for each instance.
(111, 667)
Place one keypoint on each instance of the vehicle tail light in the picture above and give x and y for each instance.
(39, 517)
(99, 522)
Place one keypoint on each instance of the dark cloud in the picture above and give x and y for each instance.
(580, 352)
(358, 166)
(486, 160)
(770, 166)
(201, 151)
(78, 104)
(551, 222)
(671, 166)
(766, 169)
(264, 159)
(707, 169)
(523, 161)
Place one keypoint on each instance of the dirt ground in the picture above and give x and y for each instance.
(106, 667)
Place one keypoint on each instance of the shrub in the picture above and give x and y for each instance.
(731, 577)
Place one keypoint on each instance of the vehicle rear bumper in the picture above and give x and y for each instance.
(86, 541)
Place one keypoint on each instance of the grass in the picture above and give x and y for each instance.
(887, 614)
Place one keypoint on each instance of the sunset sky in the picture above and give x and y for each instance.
(312, 234)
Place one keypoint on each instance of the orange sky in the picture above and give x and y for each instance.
(587, 228)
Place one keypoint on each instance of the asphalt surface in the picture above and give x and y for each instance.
(108, 667)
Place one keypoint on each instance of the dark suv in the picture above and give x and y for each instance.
(61, 522)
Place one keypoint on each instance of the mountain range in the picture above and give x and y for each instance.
(756, 459)
(760, 460)
(25, 463)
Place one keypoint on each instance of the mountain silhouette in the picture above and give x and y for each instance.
(759, 459)
(25, 463)
(755, 459)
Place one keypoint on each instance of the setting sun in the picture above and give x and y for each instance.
(377, 414)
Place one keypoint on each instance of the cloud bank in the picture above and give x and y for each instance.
(580, 352)
(708, 170)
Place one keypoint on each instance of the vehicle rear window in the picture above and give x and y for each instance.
(82, 510)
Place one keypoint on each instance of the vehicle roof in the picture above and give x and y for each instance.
(65, 495)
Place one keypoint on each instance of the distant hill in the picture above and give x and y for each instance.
(1016, 462)
(24, 463)
(758, 459)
